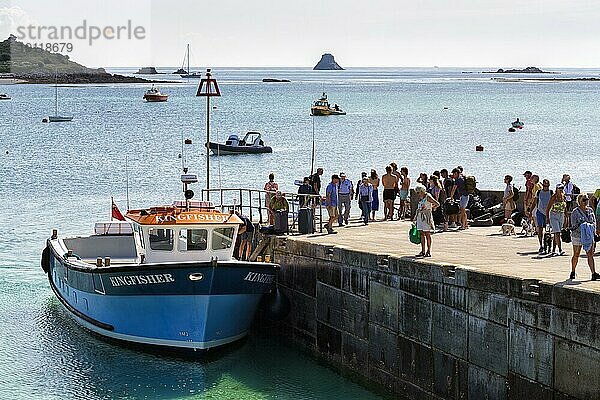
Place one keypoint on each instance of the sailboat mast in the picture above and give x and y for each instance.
(56, 93)
(188, 58)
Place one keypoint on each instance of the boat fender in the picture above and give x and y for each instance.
(276, 305)
(45, 262)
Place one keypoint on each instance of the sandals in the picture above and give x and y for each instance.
(428, 254)
(421, 254)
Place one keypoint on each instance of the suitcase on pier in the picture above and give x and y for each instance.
(306, 222)
(281, 222)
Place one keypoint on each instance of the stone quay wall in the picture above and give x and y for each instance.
(430, 331)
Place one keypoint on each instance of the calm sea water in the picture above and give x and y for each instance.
(63, 175)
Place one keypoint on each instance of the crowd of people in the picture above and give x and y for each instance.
(442, 204)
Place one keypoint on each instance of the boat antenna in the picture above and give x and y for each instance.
(312, 157)
(127, 180)
(211, 89)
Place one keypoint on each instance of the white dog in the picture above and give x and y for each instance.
(508, 228)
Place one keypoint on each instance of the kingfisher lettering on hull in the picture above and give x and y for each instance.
(260, 278)
(132, 280)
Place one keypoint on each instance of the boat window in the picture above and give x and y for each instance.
(193, 239)
(161, 239)
(222, 238)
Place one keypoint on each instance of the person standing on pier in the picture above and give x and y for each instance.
(358, 183)
(365, 193)
(390, 183)
(448, 184)
(508, 203)
(528, 193)
(271, 187)
(459, 190)
(304, 192)
(543, 199)
(583, 226)
(374, 181)
(424, 218)
(404, 183)
(555, 215)
(345, 194)
(315, 180)
(331, 202)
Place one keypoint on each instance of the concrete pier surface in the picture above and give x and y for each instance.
(484, 318)
(483, 249)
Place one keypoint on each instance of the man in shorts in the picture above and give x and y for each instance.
(459, 191)
(390, 183)
(331, 201)
(404, 189)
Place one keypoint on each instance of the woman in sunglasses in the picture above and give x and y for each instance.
(583, 227)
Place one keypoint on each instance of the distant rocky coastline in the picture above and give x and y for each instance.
(274, 80)
(19, 62)
(528, 70)
(147, 71)
(327, 63)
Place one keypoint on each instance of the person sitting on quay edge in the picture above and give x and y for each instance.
(270, 187)
(365, 192)
(583, 226)
(345, 194)
(331, 202)
(555, 215)
(543, 199)
(508, 203)
(424, 218)
(304, 191)
(390, 183)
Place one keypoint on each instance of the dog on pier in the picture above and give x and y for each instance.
(547, 242)
(527, 227)
(508, 228)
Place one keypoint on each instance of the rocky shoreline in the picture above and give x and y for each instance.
(79, 78)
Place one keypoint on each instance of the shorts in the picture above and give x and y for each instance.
(332, 211)
(247, 236)
(403, 194)
(540, 219)
(389, 194)
(575, 240)
(556, 221)
(464, 201)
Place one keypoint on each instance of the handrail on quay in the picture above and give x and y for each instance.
(253, 203)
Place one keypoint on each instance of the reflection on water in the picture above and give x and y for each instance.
(46, 355)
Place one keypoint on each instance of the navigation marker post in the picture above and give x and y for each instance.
(211, 88)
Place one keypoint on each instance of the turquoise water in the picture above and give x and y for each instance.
(63, 175)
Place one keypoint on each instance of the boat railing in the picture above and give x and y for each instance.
(253, 203)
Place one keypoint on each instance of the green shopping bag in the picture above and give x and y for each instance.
(414, 235)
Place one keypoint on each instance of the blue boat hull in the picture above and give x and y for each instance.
(162, 305)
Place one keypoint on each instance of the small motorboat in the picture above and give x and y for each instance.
(4, 96)
(59, 118)
(322, 107)
(252, 143)
(517, 124)
(153, 95)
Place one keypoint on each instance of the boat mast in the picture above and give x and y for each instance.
(188, 58)
(56, 92)
(211, 88)
(312, 157)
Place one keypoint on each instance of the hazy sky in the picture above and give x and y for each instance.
(491, 33)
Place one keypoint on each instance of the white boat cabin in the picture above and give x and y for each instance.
(250, 139)
(167, 234)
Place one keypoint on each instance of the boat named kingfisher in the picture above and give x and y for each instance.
(159, 272)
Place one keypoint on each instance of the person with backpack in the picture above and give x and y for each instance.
(543, 199)
(459, 191)
(508, 203)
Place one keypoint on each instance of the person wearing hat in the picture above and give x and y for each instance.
(555, 214)
(424, 218)
(365, 193)
(345, 194)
